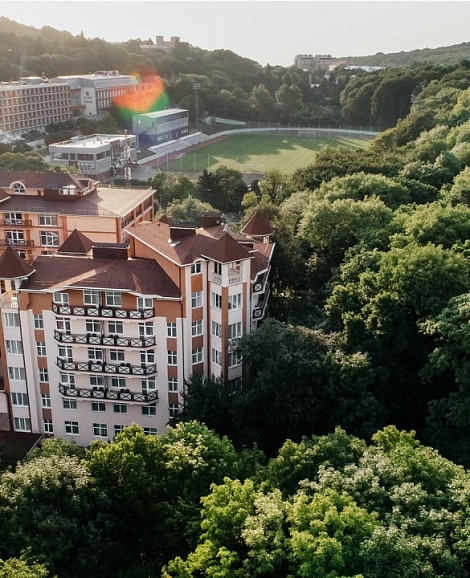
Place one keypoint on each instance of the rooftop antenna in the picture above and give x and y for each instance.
(127, 161)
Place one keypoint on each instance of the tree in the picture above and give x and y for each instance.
(171, 186)
(20, 568)
(289, 100)
(189, 210)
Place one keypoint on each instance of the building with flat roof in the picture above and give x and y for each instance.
(93, 94)
(39, 210)
(99, 336)
(99, 156)
(317, 62)
(32, 103)
(154, 128)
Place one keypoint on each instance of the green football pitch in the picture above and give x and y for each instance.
(257, 154)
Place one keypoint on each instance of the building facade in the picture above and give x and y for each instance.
(317, 62)
(38, 211)
(155, 128)
(32, 104)
(98, 336)
(100, 156)
(93, 94)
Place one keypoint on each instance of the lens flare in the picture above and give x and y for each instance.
(147, 97)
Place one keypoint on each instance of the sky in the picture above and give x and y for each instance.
(267, 31)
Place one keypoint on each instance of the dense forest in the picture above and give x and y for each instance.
(313, 466)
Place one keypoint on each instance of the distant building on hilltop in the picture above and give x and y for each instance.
(317, 62)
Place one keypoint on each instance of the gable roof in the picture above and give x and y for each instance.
(257, 226)
(12, 266)
(41, 179)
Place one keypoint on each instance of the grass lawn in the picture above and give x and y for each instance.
(258, 154)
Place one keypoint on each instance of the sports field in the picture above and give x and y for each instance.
(257, 154)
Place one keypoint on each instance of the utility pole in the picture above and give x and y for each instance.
(196, 87)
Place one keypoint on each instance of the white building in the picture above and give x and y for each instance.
(154, 128)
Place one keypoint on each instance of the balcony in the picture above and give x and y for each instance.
(99, 339)
(107, 368)
(108, 312)
(233, 278)
(15, 223)
(118, 394)
(17, 242)
(9, 300)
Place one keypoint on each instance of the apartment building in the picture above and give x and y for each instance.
(317, 62)
(32, 103)
(99, 156)
(157, 127)
(39, 210)
(100, 335)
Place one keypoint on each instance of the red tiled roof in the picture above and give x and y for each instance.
(76, 242)
(40, 180)
(257, 226)
(226, 250)
(12, 266)
(143, 276)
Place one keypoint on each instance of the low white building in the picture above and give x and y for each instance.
(96, 156)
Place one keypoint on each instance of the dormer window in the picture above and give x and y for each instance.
(19, 189)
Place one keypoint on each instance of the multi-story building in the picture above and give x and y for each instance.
(32, 104)
(38, 211)
(98, 336)
(99, 156)
(93, 94)
(317, 62)
(154, 128)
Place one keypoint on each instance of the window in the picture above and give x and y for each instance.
(97, 381)
(146, 329)
(171, 329)
(173, 409)
(196, 328)
(69, 403)
(45, 400)
(234, 358)
(115, 327)
(172, 384)
(63, 324)
(49, 239)
(150, 431)
(149, 410)
(65, 353)
(120, 408)
(98, 406)
(235, 301)
(16, 373)
(196, 299)
(118, 429)
(118, 382)
(218, 268)
(147, 356)
(11, 320)
(91, 297)
(68, 379)
(14, 347)
(216, 300)
(92, 326)
(113, 299)
(48, 427)
(14, 237)
(40, 349)
(216, 329)
(235, 330)
(116, 354)
(100, 430)
(47, 220)
(38, 322)
(144, 303)
(95, 354)
(172, 357)
(196, 355)
(22, 424)
(19, 399)
(13, 218)
(71, 428)
(216, 357)
(61, 298)
(148, 385)
(19, 189)
(196, 268)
